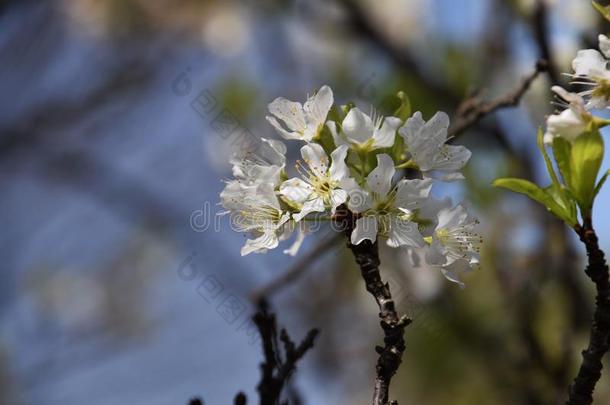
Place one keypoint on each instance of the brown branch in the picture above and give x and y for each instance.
(276, 369)
(581, 391)
(278, 364)
(472, 110)
(540, 26)
(297, 269)
(390, 354)
(240, 399)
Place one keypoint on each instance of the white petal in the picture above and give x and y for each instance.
(338, 168)
(273, 151)
(589, 62)
(337, 197)
(404, 233)
(604, 45)
(290, 112)
(453, 271)
(296, 190)
(283, 133)
(296, 245)
(413, 126)
(444, 176)
(567, 124)
(366, 228)
(311, 205)
(380, 179)
(451, 158)
(319, 105)
(410, 193)
(384, 137)
(435, 254)
(266, 241)
(358, 199)
(424, 141)
(315, 157)
(451, 217)
(357, 126)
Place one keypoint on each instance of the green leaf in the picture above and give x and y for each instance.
(600, 184)
(404, 110)
(562, 149)
(604, 10)
(585, 161)
(547, 160)
(568, 207)
(547, 197)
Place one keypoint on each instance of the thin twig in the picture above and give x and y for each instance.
(390, 354)
(540, 25)
(581, 391)
(472, 110)
(278, 364)
(240, 399)
(277, 368)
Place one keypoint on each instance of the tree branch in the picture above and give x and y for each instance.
(472, 110)
(390, 354)
(540, 25)
(581, 391)
(276, 369)
(279, 364)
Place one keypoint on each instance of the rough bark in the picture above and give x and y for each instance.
(390, 354)
(581, 391)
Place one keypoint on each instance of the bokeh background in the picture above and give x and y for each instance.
(117, 118)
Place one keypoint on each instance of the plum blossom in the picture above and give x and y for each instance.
(302, 122)
(256, 211)
(340, 172)
(454, 238)
(426, 144)
(590, 70)
(364, 133)
(318, 187)
(569, 123)
(265, 164)
(386, 210)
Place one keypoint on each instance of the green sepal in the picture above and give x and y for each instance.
(547, 160)
(404, 110)
(603, 10)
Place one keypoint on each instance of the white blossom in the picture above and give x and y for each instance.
(263, 165)
(569, 123)
(256, 210)
(302, 122)
(364, 133)
(318, 188)
(454, 238)
(386, 210)
(435, 255)
(426, 144)
(590, 70)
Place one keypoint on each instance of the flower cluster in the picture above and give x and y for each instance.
(352, 159)
(573, 140)
(591, 73)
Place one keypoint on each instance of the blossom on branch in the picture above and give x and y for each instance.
(351, 159)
